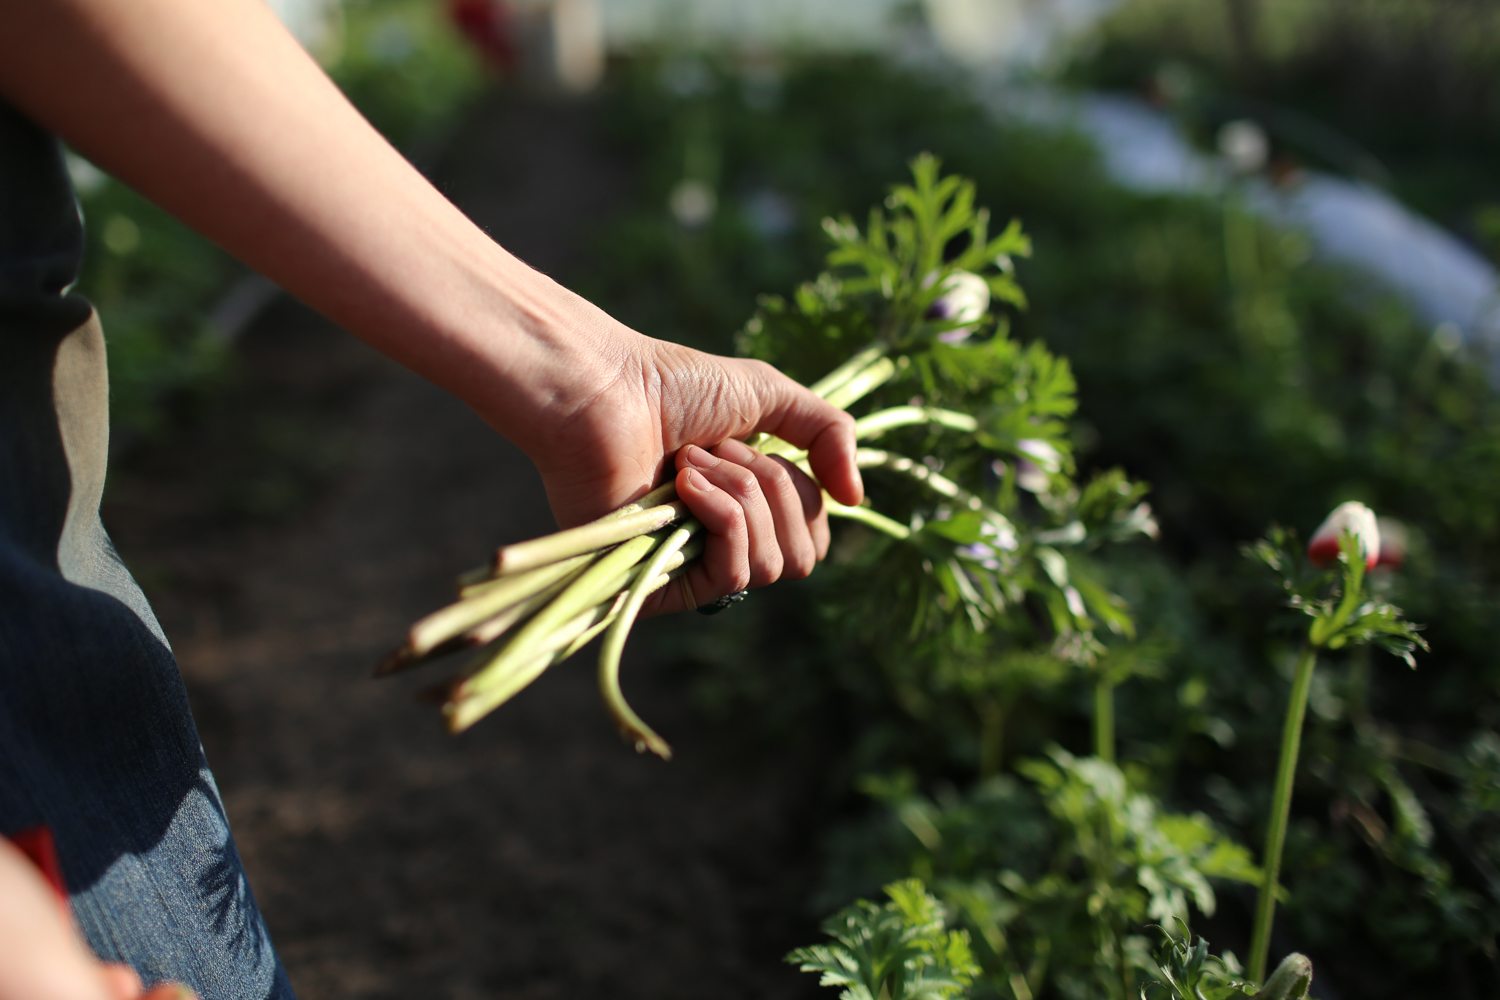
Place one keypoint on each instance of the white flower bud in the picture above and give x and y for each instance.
(965, 299)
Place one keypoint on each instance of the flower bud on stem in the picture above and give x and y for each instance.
(1281, 807)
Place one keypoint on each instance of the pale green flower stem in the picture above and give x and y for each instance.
(1281, 807)
(876, 424)
(642, 736)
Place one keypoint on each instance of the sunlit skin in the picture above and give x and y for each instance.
(217, 114)
(42, 956)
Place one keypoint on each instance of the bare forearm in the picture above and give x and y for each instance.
(215, 112)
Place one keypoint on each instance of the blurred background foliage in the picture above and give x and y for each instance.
(1404, 93)
(1217, 359)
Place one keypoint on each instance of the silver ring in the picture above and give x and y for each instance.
(727, 600)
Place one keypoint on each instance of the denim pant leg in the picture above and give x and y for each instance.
(96, 739)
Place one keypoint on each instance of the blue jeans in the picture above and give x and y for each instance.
(96, 739)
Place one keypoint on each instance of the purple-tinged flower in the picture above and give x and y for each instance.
(1040, 461)
(1351, 516)
(996, 536)
(964, 298)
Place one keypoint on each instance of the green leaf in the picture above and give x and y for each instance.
(900, 950)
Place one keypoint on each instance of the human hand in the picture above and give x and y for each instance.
(648, 402)
(42, 956)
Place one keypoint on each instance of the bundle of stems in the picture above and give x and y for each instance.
(540, 601)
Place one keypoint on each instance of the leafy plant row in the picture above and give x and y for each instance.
(1196, 376)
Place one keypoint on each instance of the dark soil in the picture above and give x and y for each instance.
(289, 528)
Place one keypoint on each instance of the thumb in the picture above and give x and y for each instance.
(121, 982)
(795, 414)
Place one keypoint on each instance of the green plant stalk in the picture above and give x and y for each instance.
(595, 585)
(841, 375)
(594, 630)
(674, 568)
(1108, 930)
(500, 676)
(1104, 718)
(640, 735)
(1327, 626)
(1281, 807)
(485, 577)
(991, 737)
(488, 631)
(553, 571)
(875, 424)
(586, 538)
(875, 458)
(877, 374)
(868, 517)
(483, 603)
(462, 712)
(557, 646)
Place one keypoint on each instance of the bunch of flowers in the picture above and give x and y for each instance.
(962, 437)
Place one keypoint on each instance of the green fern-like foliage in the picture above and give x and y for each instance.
(898, 950)
(1185, 969)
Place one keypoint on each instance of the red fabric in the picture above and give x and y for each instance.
(37, 844)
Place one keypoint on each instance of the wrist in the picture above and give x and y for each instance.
(533, 355)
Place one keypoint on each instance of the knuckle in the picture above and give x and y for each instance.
(799, 565)
(741, 482)
(765, 570)
(777, 482)
(762, 369)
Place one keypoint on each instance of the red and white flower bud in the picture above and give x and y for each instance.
(1351, 516)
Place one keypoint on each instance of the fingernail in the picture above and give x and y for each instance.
(698, 482)
(697, 456)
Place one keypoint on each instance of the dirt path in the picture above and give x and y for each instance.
(289, 535)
